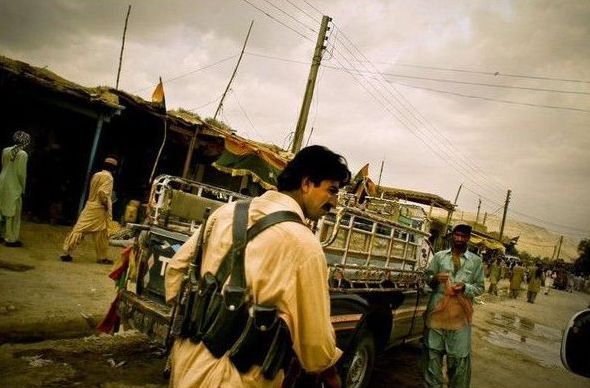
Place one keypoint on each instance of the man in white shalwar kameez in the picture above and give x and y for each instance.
(94, 218)
(13, 178)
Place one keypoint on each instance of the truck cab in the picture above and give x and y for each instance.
(375, 252)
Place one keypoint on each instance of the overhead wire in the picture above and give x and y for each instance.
(489, 73)
(235, 96)
(393, 114)
(189, 72)
(495, 99)
(206, 104)
(399, 118)
(278, 21)
(290, 16)
(303, 12)
(314, 8)
(487, 84)
(420, 125)
(337, 68)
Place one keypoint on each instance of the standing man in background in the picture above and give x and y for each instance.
(495, 272)
(94, 218)
(13, 178)
(516, 280)
(456, 277)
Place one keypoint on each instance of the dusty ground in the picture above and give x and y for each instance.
(44, 301)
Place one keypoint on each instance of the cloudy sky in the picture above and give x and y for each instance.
(494, 95)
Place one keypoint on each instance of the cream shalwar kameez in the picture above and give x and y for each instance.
(13, 178)
(95, 216)
(285, 267)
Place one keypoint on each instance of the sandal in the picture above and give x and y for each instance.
(104, 261)
(66, 258)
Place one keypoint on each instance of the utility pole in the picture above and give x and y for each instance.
(380, 174)
(504, 215)
(554, 251)
(559, 246)
(234, 73)
(478, 209)
(450, 213)
(313, 72)
(122, 47)
(485, 217)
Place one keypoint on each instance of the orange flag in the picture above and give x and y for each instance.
(158, 94)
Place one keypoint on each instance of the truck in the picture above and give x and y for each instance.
(379, 247)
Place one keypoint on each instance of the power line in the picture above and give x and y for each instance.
(317, 10)
(290, 16)
(235, 96)
(304, 12)
(278, 21)
(400, 116)
(279, 58)
(207, 103)
(423, 121)
(486, 84)
(495, 73)
(432, 89)
(540, 220)
(190, 72)
(495, 99)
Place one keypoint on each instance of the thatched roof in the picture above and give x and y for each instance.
(45, 78)
(416, 196)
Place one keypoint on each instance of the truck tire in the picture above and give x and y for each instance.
(359, 362)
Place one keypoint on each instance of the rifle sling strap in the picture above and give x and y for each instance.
(233, 261)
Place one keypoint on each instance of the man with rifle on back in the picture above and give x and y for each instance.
(261, 295)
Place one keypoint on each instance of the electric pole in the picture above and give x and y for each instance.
(559, 246)
(485, 217)
(380, 174)
(313, 72)
(478, 208)
(234, 73)
(122, 47)
(450, 213)
(504, 215)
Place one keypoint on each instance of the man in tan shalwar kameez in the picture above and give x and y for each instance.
(516, 280)
(95, 216)
(285, 268)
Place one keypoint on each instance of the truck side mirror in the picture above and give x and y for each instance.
(575, 352)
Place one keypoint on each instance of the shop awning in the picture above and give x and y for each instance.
(486, 242)
(263, 163)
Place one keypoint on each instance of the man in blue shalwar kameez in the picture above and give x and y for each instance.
(456, 277)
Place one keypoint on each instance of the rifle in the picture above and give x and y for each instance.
(184, 299)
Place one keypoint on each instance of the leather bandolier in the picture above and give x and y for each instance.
(222, 316)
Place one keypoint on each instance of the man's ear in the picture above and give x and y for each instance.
(306, 185)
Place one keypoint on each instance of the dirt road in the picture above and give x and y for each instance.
(55, 304)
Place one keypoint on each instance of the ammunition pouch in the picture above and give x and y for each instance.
(253, 344)
(228, 313)
(199, 296)
(223, 318)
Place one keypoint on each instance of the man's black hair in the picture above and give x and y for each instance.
(316, 163)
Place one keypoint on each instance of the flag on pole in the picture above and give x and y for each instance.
(158, 95)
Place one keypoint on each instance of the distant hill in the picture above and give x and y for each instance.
(534, 239)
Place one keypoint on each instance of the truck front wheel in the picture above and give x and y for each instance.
(359, 363)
